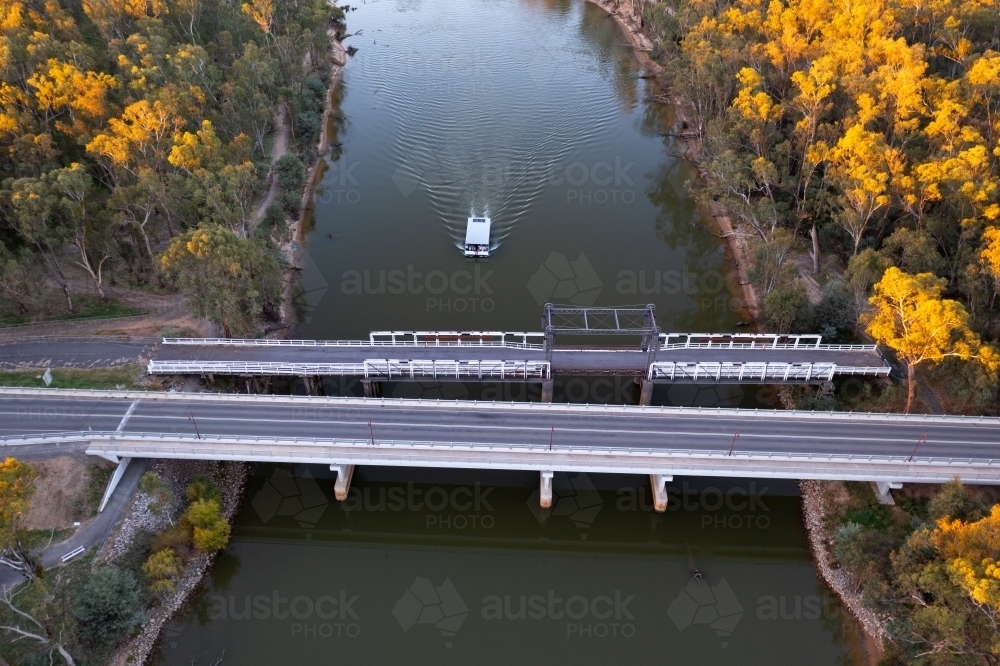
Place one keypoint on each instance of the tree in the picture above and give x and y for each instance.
(38, 632)
(15, 489)
(108, 607)
(162, 568)
(230, 280)
(211, 530)
(786, 309)
(911, 318)
(861, 165)
(989, 257)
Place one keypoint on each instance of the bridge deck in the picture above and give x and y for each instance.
(510, 436)
(564, 361)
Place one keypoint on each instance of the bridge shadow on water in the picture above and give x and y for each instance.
(463, 566)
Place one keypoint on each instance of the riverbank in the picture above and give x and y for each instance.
(816, 501)
(231, 478)
(294, 249)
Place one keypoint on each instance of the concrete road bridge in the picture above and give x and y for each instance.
(884, 449)
(533, 356)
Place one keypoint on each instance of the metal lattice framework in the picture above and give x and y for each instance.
(396, 370)
(602, 321)
(757, 373)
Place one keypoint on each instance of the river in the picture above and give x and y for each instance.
(532, 112)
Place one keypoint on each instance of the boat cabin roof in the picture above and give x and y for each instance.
(478, 231)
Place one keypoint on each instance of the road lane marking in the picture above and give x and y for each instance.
(545, 428)
(121, 426)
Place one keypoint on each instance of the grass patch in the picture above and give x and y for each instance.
(84, 308)
(99, 473)
(119, 377)
(32, 539)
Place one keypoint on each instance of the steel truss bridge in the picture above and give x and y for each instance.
(534, 356)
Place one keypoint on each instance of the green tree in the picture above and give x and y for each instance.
(108, 607)
(230, 280)
(786, 309)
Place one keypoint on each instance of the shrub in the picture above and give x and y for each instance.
(108, 607)
(786, 309)
(953, 501)
(290, 173)
(162, 568)
(210, 529)
(291, 203)
(834, 316)
(203, 489)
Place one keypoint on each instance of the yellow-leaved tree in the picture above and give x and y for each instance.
(910, 317)
(972, 551)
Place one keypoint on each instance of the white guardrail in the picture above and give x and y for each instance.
(756, 372)
(369, 368)
(511, 340)
(206, 442)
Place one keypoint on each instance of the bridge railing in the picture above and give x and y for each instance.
(756, 372)
(163, 443)
(425, 339)
(752, 341)
(369, 369)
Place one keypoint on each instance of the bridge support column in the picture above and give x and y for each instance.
(343, 483)
(659, 483)
(547, 390)
(545, 490)
(373, 388)
(882, 491)
(646, 392)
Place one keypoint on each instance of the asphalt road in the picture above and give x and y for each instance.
(70, 353)
(524, 423)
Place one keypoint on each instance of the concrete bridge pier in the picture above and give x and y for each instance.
(883, 491)
(659, 483)
(545, 490)
(343, 483)
(373, 388)
(547, 390)
(645, 392)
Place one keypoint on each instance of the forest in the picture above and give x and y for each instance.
(856, 147)
(135, 144)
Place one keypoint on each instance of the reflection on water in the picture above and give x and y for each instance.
(533, 113)
(460, 567)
